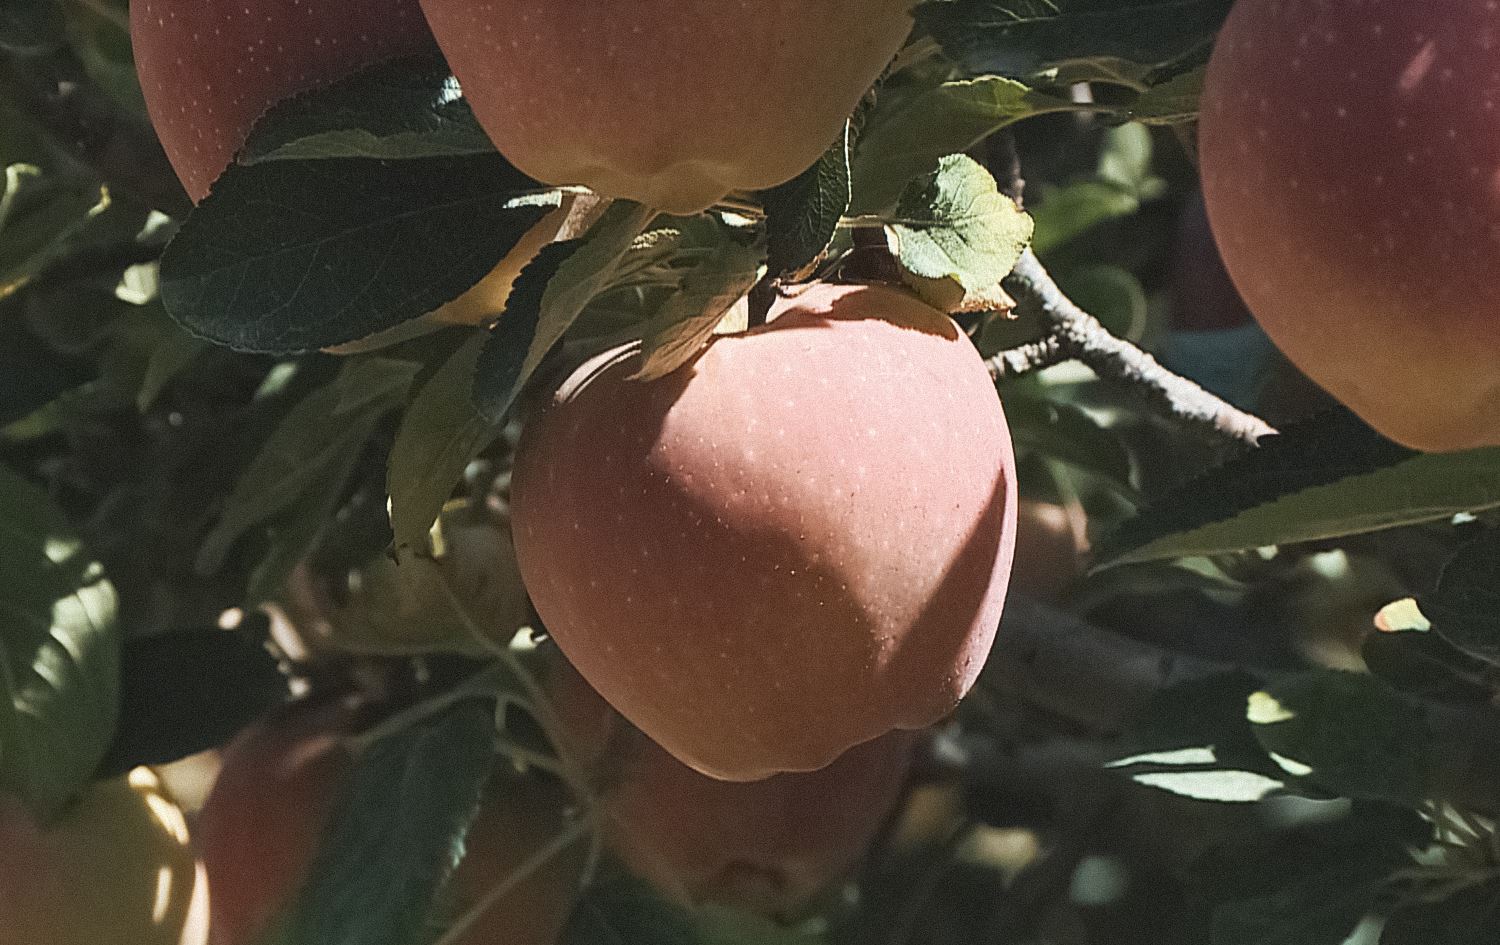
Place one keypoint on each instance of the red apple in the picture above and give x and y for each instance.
(673, 103)
(791, 545)
(1349, 154)
(768, 846)
(264, 821)
(116, 867)
(1051, 546)
(210, 68)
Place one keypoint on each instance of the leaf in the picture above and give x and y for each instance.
(59, 652)
(1174, 102)
(909, 138)
(1066, 433)
(1194, 741)
(1465, 608)
(1426, 666)
(573, 272)
(397, 110)
(626, 911)
(1470, 916)
(439, 435)
(803, 215)
(39, 218)
(291, 256)
(1351, 733)
(189, 691)
(1021, 37)
(312, 451)
(678, 330)
(958, 236)
(1308, 886)
(1327, 477)
(1063, 214)
(30, 27)
(397, 833)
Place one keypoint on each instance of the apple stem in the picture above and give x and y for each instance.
(1074, 334)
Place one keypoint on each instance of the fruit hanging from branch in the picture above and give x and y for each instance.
(769, 847)
(262, 826)
(116, 867)
(210, 68)
(670, 103)
(1349, 155)
(791, 545)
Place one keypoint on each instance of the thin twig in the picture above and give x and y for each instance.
(1082, 337)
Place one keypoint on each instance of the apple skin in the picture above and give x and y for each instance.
(768, 847)
(1053, 544)
(117, 867)
(673, 103)
(1347, 152)
(210, 68)
(263, 823)
(789, 546)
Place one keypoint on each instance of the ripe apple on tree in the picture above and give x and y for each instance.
(264, 820)
(768, 847)
(210, 69)
(116, 867)
(1348, 155)
(672, 103)
(793, 544)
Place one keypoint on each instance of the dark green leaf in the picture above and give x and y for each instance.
(802, 215)
(440, 434)
(1469, 917)
(29, 27)
(1424, 665)
(907, 138)
(1309, 886)
(548, 297)
(404, 109)
(1021, 37)
(59, 652)
(186, 692)
(625, 911)
(312, 452)
(1326, 477)
(1348, 732)
(291, 256)
(1465, 608)
(397, 833)
(1194, 741)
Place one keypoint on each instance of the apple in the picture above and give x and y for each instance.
(210, 68)
(1348, 155)
(264, 820)
(116, 867)
(1053, 544)
(791, 545)
(673, 103)
(769, 846)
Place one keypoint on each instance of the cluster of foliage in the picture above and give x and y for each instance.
(202, 508)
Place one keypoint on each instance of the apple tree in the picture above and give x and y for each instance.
(555, 472)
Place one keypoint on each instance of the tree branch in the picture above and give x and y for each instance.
(1079, 335)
